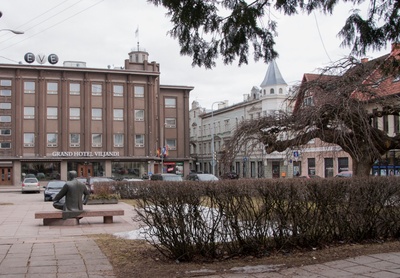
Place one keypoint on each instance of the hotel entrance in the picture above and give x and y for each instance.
(85, 170)
(6, 176)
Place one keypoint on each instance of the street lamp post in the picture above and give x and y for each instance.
(212, 136)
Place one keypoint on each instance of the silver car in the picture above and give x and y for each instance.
(30, 185)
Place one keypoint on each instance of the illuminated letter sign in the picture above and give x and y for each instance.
(53, 59)
(41, 58)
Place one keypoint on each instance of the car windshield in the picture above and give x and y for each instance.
(207, 177)
(55, 184)
(30, 180)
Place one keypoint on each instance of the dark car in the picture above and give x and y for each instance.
(230, 176)
(201, 177)
(52, 188)
(166, 177)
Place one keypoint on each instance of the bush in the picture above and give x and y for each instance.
(215, 220)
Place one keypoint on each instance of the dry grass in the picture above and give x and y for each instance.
(137, 258)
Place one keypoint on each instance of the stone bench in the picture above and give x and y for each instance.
(52, 218)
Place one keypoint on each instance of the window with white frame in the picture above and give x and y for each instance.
(29, 87)
(96, 114)
(52, 113)
(5, 82)
(5, 93)
(139, 140)
(97, 89)
(139, 91)
(171, 143)
(5, 132)
(74, 113)
(139, 115)
(74, 88)
(170, 122)
(170, 102)
(5, 145)
(118, 114)
(5, 119)
(97, 140)
(29, 139)
(5, 105)
(52, 88)
(52, 139)
(118, 140)
(29, 112)
(118, 90)
(74, 140)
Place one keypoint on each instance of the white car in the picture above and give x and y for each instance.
(30, 185)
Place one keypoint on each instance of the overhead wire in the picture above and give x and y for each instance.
(320, 37)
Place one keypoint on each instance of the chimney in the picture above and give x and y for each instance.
(395, 46)
(364, 60)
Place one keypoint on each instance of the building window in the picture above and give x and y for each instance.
(97, 89)
(343, 164)
(139, 140)
(29, 139)
(5, 82)
(96, 140)
(375, 118)
(311, 166)
(280, 91)
(139, 115)
(118, 114)
(51, 139)
(5, 145)
(29, 112)
(171, 143)
(52, 88)
(170, 122)
(118, 140)
(170, 102)
(5, 93)
(52, 113)
(5, 105)
(74, 113)
(74, 88)
(96, 114)
(5, 119)
(74, 140)
(29, 87)
(396, 125)
(272, 91)
(6, 132)
(385, 123)
(139, 91)
(118, 90)
(328, 167)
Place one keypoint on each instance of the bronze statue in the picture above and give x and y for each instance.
(75, 194)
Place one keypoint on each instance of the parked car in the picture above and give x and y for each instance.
(345, 174)
(90, 182)
(310, 177)
(131, 180)
(230, 176)
(166, 177)
(201, 177)
(30, 185)
(52, 188)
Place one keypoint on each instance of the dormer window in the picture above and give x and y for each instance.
(271, 92)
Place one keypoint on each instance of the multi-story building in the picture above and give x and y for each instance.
(98, 122)
(217, 126)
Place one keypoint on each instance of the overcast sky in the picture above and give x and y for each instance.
(102, 33)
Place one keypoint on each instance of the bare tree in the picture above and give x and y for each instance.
(346, 98)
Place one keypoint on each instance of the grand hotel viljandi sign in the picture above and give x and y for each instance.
(85, 154)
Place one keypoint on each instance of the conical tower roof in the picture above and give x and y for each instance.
(273, 76)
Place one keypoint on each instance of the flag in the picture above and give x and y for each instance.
(137, 32)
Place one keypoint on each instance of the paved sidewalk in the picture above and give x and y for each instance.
(29, 250)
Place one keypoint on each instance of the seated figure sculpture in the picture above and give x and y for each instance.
(75, 195)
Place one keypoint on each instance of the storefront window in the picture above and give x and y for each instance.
(121, 170)
(42, 170)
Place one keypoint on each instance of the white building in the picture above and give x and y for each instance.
(222, 120)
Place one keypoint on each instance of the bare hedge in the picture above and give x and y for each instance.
(187, 220)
